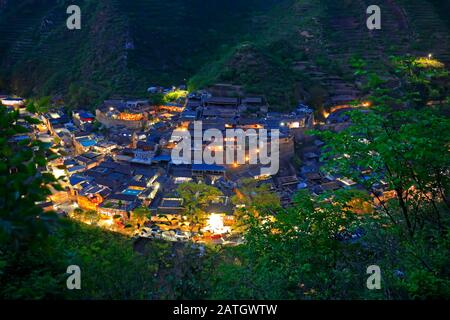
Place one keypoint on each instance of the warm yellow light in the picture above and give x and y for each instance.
(294, 125)
(215, 224)
(108, 222)
(429, 62)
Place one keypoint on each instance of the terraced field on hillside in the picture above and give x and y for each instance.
(320, 39)
(289, 50)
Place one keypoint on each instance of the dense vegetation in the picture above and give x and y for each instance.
(302, 252)
(122, 47)
(287, 50)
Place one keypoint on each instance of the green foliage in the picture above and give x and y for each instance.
(91, 216)
(296, 161)
(257, 70)
(157, 99)
(293, 256)
(112, 53)
(400, 146)
(22, 185)
(110, 268)
(255, 193)
(41, 105)
(298, 253)
(196, 197)
(175, 96)
(140, 215)
(24, 227)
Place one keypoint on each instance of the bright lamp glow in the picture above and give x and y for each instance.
(215, 224)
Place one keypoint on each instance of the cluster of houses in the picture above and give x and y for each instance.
(119, 157)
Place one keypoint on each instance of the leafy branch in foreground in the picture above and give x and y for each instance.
(397, 153)
(22, 184)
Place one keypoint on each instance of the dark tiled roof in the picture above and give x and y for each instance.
(207, 167)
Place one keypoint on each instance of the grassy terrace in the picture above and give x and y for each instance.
(289, 50)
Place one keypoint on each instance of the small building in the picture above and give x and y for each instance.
(287, 180)
(91, 196)
(82, 118)
(83, 144)
(13, 102)
(171, 206)
(224, 102)
(181, 173)
(120, 113)
(118, 204)
(55, 121)
(201, 170)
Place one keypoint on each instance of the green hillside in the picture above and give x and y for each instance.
(122, 47)
(303, 50)
(285, 49)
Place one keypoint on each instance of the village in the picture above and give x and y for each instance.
(116, 169)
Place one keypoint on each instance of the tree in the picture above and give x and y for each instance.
(22, 184)
(40, 105)
(317, 100)
(157, 99)
(175, 96)
(33, 264)
(140, 215)
(403, 141)
(421, 79)
(196, 196)
(395, 143)
(320, 248)
(80, 95)
(250, 196)
(24, 227)
(294, 255)
(91, 216)
(254, 193)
